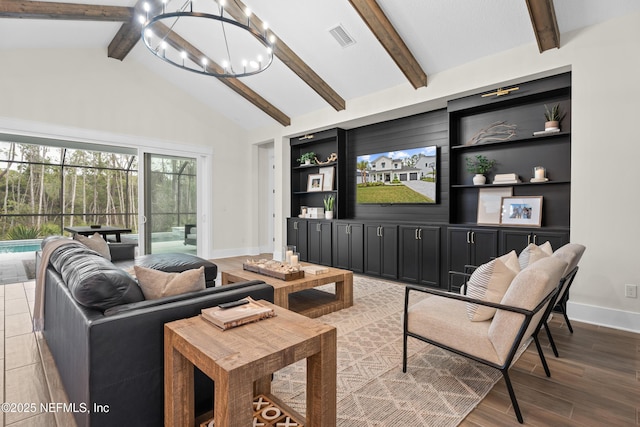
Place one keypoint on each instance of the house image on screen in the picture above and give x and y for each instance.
(385, 169)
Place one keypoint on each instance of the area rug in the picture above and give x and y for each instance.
(439, 388)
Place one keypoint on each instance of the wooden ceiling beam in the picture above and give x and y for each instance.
(63, 11)
(127, 36)
(381, 27)
(195, 55)
(236, 9)
(545, 24)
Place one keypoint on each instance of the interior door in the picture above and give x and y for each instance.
(170, 196)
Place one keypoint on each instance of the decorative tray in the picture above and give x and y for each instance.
(273, 268)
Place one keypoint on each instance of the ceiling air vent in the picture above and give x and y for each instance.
(342, 37)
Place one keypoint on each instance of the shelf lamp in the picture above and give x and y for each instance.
(197, 34)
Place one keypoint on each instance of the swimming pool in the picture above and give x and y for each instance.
(13, 246)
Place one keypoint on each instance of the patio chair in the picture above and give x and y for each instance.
(442, 320)
(190, 234)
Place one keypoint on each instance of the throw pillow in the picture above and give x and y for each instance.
(489, 282)
(533, 253)
(157, 284)
(96, 243)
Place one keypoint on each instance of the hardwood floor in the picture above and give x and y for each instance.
(594, 382)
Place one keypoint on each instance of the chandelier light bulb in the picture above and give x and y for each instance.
(272, 39)
(222, 3)
(247, 12)
(146, 6)
(205, 61)
(253, 64)
(183, 54)
(225, 64)
(244, 62)
(163, 45)
(142, 19)
(265, 26)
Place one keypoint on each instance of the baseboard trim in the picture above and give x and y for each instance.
(227, 253)
(603, 316)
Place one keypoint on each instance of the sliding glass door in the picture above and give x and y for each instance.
(170, 204)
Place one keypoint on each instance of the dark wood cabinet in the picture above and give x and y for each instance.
(348, 246)
(324, 144)
(419, 254)
(297, 236)
(470, 246)
(477, 126)
(517, 240)
(381, 250)
(319, 235)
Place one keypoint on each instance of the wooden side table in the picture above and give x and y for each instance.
(241, 360)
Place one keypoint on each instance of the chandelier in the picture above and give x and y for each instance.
(195, 35)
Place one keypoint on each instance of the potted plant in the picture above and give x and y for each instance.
(307, 158)
(553, 117)
(328, 206)
(479, 165)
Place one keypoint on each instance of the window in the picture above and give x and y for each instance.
(44, 188)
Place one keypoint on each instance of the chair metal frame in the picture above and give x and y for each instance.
(548, 301)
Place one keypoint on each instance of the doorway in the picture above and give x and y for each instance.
(170, 199)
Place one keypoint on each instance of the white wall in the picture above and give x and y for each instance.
(84, 95)
(605, 67)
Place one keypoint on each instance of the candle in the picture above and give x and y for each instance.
(539, 174)
(294, 260)
(287, 257)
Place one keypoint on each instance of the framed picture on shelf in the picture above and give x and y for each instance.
(523, 210)
(315, 182)
(327, 183)
(490, 204)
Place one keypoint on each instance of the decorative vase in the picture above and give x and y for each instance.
(553, 125)
(479, 179)
(328, 215)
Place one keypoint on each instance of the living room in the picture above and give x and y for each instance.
(84, 96)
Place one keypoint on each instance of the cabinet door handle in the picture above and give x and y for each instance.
(318, 227)
(295, 225)
(535, 239)
(420, 234)
(417, 234)
(528, 239)
(380, 231)
(349, 229)
(473, 234)
(468, 239)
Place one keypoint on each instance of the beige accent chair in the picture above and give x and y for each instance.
(442, 320)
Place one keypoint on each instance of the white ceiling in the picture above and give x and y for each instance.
(441, 34)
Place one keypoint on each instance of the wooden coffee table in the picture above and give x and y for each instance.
(298, 295)
(241, 360)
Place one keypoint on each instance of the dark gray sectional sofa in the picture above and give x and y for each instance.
(111, 354)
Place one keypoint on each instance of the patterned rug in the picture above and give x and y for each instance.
(439, 388)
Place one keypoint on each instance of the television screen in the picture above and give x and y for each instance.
(404, 176)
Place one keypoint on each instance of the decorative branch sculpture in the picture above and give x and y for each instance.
(498, 131)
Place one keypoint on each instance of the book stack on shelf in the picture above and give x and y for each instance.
(246, 312)
(506, 178)
(546, 132)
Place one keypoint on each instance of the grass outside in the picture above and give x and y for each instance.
(389, 194)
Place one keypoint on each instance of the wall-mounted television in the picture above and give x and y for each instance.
(397, 177)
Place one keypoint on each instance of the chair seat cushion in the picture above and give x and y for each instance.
(445, 321)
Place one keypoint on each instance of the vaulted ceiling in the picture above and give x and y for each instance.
(396, 43)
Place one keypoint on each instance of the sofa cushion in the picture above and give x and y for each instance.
(533, 253)
(92, 280)
(158, 284)
(489, 282)
(179, 262)
(95, 242)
